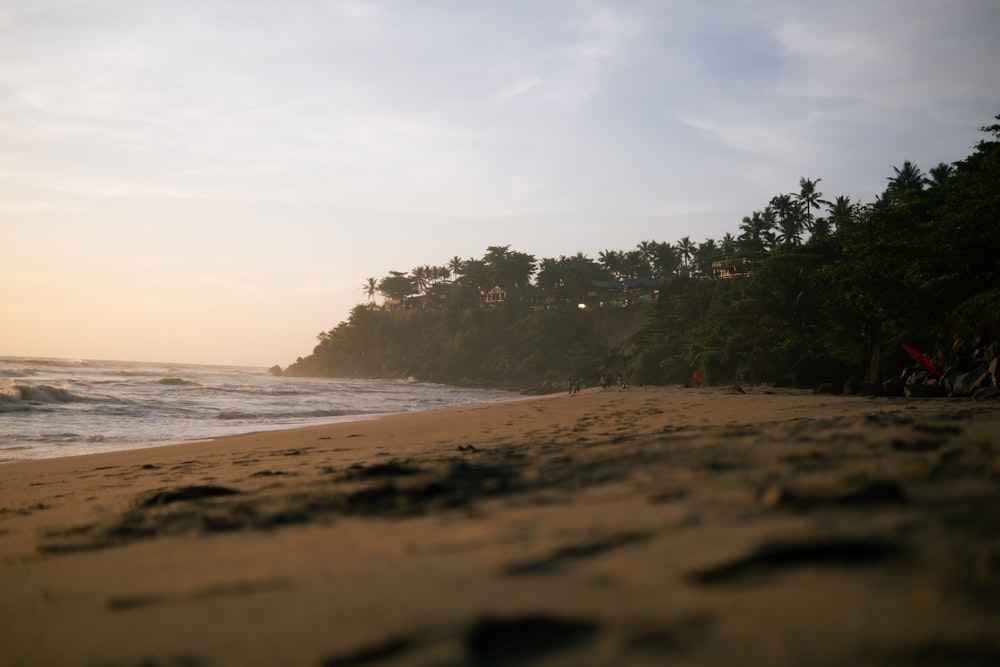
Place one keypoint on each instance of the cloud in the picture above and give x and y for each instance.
(331, 140)
(515, 90)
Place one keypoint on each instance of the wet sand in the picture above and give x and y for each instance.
(648, 527)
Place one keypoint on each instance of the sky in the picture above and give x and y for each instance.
(213, 181)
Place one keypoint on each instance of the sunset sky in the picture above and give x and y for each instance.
(213, 180)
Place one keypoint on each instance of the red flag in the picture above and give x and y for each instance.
(922, 360)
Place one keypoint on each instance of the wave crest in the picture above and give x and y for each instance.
(36, 393)
(178, 382)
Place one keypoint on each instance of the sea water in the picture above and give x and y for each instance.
(61, 407)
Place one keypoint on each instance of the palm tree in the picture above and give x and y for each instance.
(705, 254)
(612, 261)
(842, 211)
(455, 264)
(750, 232)
(789, 218)
(370, 288)
(907, 181)
(729, 244)
(421, 277)
(809, 198)
(940, 174)
(686, 249)
(664, 260)
(646, 249)
(822, 229)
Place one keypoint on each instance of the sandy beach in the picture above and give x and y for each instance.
(648, 527)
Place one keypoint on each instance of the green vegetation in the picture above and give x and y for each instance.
(797, 298)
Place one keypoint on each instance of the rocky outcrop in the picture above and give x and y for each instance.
(966, 370)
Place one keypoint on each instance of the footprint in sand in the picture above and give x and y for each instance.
(779, 556)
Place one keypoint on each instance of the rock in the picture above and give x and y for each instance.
(947, 379)
(987, 393)
(966, 384)
(825, 388)
(275, 370)
(894, 386)
(925, 389)
(918, 376)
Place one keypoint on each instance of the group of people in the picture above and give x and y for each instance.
(573, 384)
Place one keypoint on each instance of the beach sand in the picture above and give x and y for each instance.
(648, 527)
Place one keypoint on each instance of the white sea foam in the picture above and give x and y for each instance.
(62, 407)
(37, 393)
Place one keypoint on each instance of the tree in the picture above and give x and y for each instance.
(370, 288)
(756, 237)
(821, 230)
(636, 265)
(507, 268)
(475, 274)
(706, 253)
(686, 250)
(663, 259)
(940, 174)
(420, 277)
(397, 285)
(918, 265)
(550, 274)
(613, 261)
(574, 275)
(842, 212)
(809, 198)
(789, 217)
(728, 244)
(907, 182)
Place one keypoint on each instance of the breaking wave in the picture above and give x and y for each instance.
(65, 407)
(177, 382)
(21, 396)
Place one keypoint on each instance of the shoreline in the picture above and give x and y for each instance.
(695, 526)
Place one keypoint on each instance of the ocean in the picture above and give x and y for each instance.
(62, 407)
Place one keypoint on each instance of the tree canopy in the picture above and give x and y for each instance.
(825, 290)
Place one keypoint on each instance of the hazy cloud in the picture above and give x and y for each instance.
(339, 138)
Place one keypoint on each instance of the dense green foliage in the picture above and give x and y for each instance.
(828, 298)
